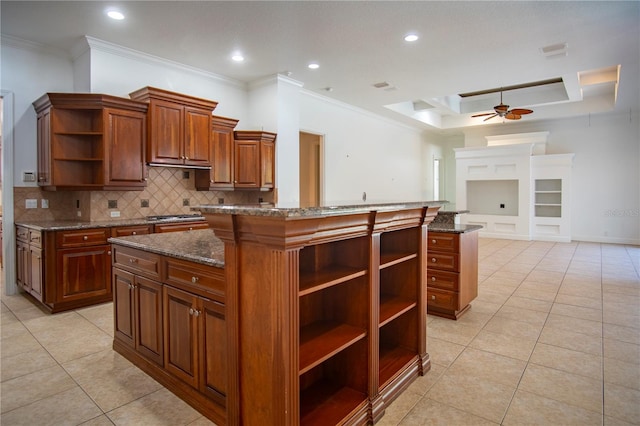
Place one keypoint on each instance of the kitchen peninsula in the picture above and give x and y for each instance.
(296, 315)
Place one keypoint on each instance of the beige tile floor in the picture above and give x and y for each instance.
(552, 339)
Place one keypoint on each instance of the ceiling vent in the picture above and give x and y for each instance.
(381, 85)
(554, 50)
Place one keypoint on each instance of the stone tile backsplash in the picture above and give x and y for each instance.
(168, 191)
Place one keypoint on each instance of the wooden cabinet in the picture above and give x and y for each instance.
(179, 128)
(123, 231)
(172, 312)
(29, 263)
(180, 226)
(254, 160)
(452, 276)
(221, 175)
(82, 268)
(90, 142)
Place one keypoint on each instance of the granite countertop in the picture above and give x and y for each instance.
(61, 225)
(200, 246)
(294, 212)
(451, 227)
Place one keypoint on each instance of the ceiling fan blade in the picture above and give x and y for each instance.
(482, 115)
(512, 116)
(521, 111)
(489, 118)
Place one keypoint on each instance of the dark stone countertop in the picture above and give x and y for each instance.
(295, 212)
(62, 225)
(452, 228)
(200, 246)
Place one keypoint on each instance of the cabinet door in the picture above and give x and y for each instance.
(267, 164)
(123, 300)
(148, 318)
(247, 164)
(44, 149)
(166, 133)
(197, 137)
(214, 351)
(126, 137)
(83, 272)
(22, 262)
(222, 161)
(35, 271)
(181, 335)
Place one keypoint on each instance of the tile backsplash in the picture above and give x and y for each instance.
(168, 191)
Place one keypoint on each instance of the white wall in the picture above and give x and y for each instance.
(605, 197)
(364, 153)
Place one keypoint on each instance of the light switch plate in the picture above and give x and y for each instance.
(31, 203)
(115, 214)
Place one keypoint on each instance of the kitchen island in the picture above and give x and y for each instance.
(312, 316)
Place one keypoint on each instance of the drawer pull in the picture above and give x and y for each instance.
(132, 260)
(433, 297)
(134, 233)
(190, 311)
(85, 238)
(196, 313)
(433, 278)
(434, 241)
(433, 259)
(194, 279)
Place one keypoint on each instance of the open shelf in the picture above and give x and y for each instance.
(323, 339)
(391, 307)
(326, 403)
(390, 259)
(393, 360)
(311, 281)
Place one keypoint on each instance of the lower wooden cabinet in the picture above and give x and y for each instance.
(29, 265)
(452, 273)
(177, 335)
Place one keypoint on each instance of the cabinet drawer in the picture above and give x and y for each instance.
(35, 238)
(136, 261)
(175, 227)
(22, 234)
(82, 237)
(447, 262)
(442, 280)
(443, 241)
(125, 231)
(206, 281)
(442, 299)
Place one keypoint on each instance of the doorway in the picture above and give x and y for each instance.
(310, 169)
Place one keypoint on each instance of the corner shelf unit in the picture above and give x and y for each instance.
(330, 314)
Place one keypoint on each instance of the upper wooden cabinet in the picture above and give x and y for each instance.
(179, 128)
(221, 175)
(90, 141)
(254, 159)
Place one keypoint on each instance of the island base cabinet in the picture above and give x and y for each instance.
(138, 314)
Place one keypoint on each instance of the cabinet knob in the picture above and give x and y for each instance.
(194, 279)
(85, 238)
(109, 252)
(132, 260)
(433, 259)
(196, 313)
(187, 158)
(433, 278)
(191, 311)
(190, 228)
(211, 181)
(134, 233)
(433, 298)
(130, 286)
(434, 241)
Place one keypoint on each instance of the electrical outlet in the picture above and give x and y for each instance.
(112, 204)
(501, 206)
(185, 201)
(115, 214)
(44, 203)
(144, 203)
(220, 200)
(185, 175)
(31, 203)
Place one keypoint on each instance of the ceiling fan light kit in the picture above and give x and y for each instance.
(502, 110)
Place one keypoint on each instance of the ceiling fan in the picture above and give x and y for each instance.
(503, 111)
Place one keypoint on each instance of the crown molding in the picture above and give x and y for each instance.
(22, 44)
(125, 52)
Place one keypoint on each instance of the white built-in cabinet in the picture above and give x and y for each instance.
(514, 190)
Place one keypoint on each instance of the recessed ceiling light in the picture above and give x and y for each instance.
(237, 57)
(114, 14)
(313, 66)
(411, 37)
